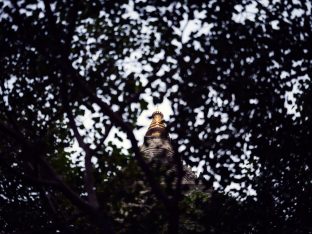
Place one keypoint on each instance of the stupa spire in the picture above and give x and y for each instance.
(158, 150)
(157, 127)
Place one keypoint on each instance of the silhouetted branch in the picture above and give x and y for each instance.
(107, 131)
(56, 180)
(68, 192)
(49, 13)
(265, 9)
(89, 180)
(72, 19)
(47, 199)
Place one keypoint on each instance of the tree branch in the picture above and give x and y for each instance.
(88, 175)
(107, 131)
(68, 192)
(48, 11)
(89, 180)
(72, 20)
(59, 183)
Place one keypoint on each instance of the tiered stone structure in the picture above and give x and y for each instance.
(157, 150)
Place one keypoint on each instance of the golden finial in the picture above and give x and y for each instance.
(157, 127)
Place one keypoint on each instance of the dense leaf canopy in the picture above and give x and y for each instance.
(76, 75)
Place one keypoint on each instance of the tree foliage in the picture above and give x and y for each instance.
(237, 74)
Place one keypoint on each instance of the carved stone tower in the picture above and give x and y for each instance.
(158, 150)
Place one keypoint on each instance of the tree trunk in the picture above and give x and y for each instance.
(102, 222)
(173, 220)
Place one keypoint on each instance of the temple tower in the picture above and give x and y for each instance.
(158, 150)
